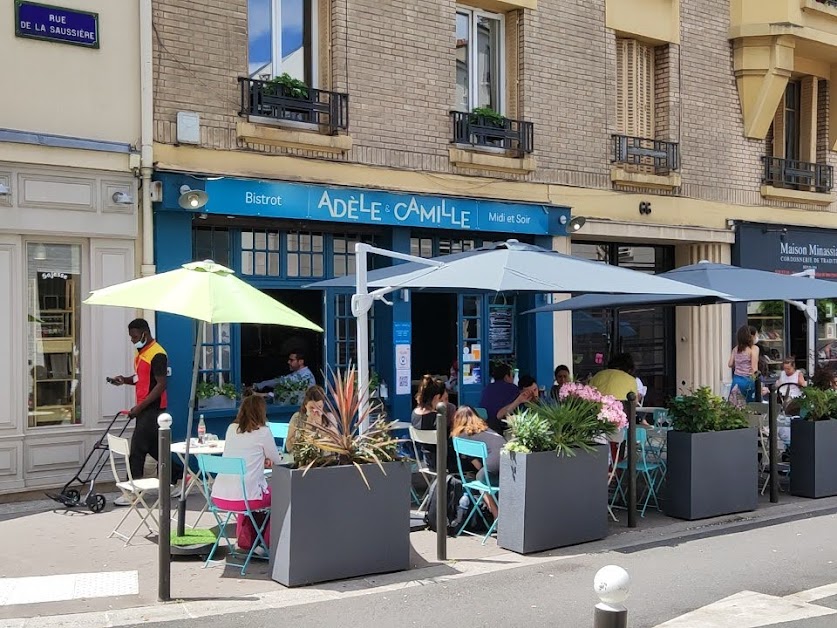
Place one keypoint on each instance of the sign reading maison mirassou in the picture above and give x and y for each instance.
(275, 199)
(67, 26)
(788, 250)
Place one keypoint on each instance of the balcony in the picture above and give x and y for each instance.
(489, 143)
(643, 162)
(774, 40)
(309, 118)
(799, 181)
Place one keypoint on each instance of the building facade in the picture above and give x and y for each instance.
(665, 124)
(69, 146)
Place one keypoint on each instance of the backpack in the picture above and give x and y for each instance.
(455, 493)
(456, 515)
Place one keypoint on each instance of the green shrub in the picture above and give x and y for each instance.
(703, 411)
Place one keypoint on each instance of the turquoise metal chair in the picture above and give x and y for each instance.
(481, 413)
(475, 449)
(650, 470)
(280, 431)
(218, 465)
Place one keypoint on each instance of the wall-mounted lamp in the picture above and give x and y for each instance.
(192, 199)
(731, 224)
(122, 198)
(4, 190)
(573, 225)
(782, 231)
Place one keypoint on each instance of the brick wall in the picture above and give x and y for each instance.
(395, 58)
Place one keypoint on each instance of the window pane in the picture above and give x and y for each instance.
(261, 264)
(273, 264)
(273, 241)
(318, 266)
(463, 38)
(259, 31)
(488, 62)
(260, 241)
(293, 265)
(246, 239)
(54, 276)
(246, 263)
(294, 36)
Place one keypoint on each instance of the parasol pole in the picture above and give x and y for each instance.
(181, 504)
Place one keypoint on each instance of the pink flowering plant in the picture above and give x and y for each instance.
(581, 417)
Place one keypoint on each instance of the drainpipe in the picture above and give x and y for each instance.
(147, 139)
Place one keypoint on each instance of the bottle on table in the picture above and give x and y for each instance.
(201, 431)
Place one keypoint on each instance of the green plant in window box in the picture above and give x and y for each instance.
(290, 391)
(703, 411)
(286, 85)
(227, 390)
(205, 390)
(487, 116)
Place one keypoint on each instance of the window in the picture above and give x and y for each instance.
(433, 247)
(793, 97)
(479, 55)
(282, 39)
(212, 243)
(260, 252)
(343, 254)
(215, 365)
(306, 255)
(346, 332)
(53, 278)
(634, 88)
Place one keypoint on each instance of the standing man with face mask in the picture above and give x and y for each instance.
(150, 378)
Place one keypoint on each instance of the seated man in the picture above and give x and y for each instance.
(299, 372)
(618, 379)
(501, 397)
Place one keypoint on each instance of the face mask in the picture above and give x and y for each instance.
(139, 345)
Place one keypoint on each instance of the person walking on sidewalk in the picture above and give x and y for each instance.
(149, 380)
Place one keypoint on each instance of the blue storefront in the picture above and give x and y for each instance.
(281, 237)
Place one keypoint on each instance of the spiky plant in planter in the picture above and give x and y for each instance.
(343, 443)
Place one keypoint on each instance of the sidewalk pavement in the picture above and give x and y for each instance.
(45, 539)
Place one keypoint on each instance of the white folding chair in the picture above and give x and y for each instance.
(132, 490)
(423, 437)
(613, 461)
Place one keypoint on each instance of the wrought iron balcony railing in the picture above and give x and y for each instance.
(329, 110)
(790, 173)
(513, 136)
(830, 3)
(655, 155)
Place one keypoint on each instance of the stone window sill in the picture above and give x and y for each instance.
(622, 176)
(796, 196)
(298, 138)
(481, 160)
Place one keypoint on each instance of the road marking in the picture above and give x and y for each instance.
(61, 588)
(749, 609)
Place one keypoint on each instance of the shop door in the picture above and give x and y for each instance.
(473, 354)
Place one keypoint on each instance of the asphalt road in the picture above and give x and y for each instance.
(667, 582)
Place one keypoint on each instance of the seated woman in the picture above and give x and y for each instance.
(466, 424)
(248, 437)
(311, 412)
(430, 393)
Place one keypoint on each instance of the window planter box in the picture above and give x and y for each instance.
(549, 501)
(216, 402)
(813, 462)
(514, 137)
(711, 473)
(328, 525)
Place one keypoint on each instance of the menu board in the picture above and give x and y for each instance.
(501, 329)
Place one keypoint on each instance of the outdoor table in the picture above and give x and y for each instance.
(655, 413)
(215, 448)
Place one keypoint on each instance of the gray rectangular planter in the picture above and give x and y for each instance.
(711, 473)
(328, 525)
(813, 458)
(549, 501)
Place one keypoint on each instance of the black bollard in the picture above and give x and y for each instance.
(631, 447)
(164, 540)
(442, 481)
(773, 426)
